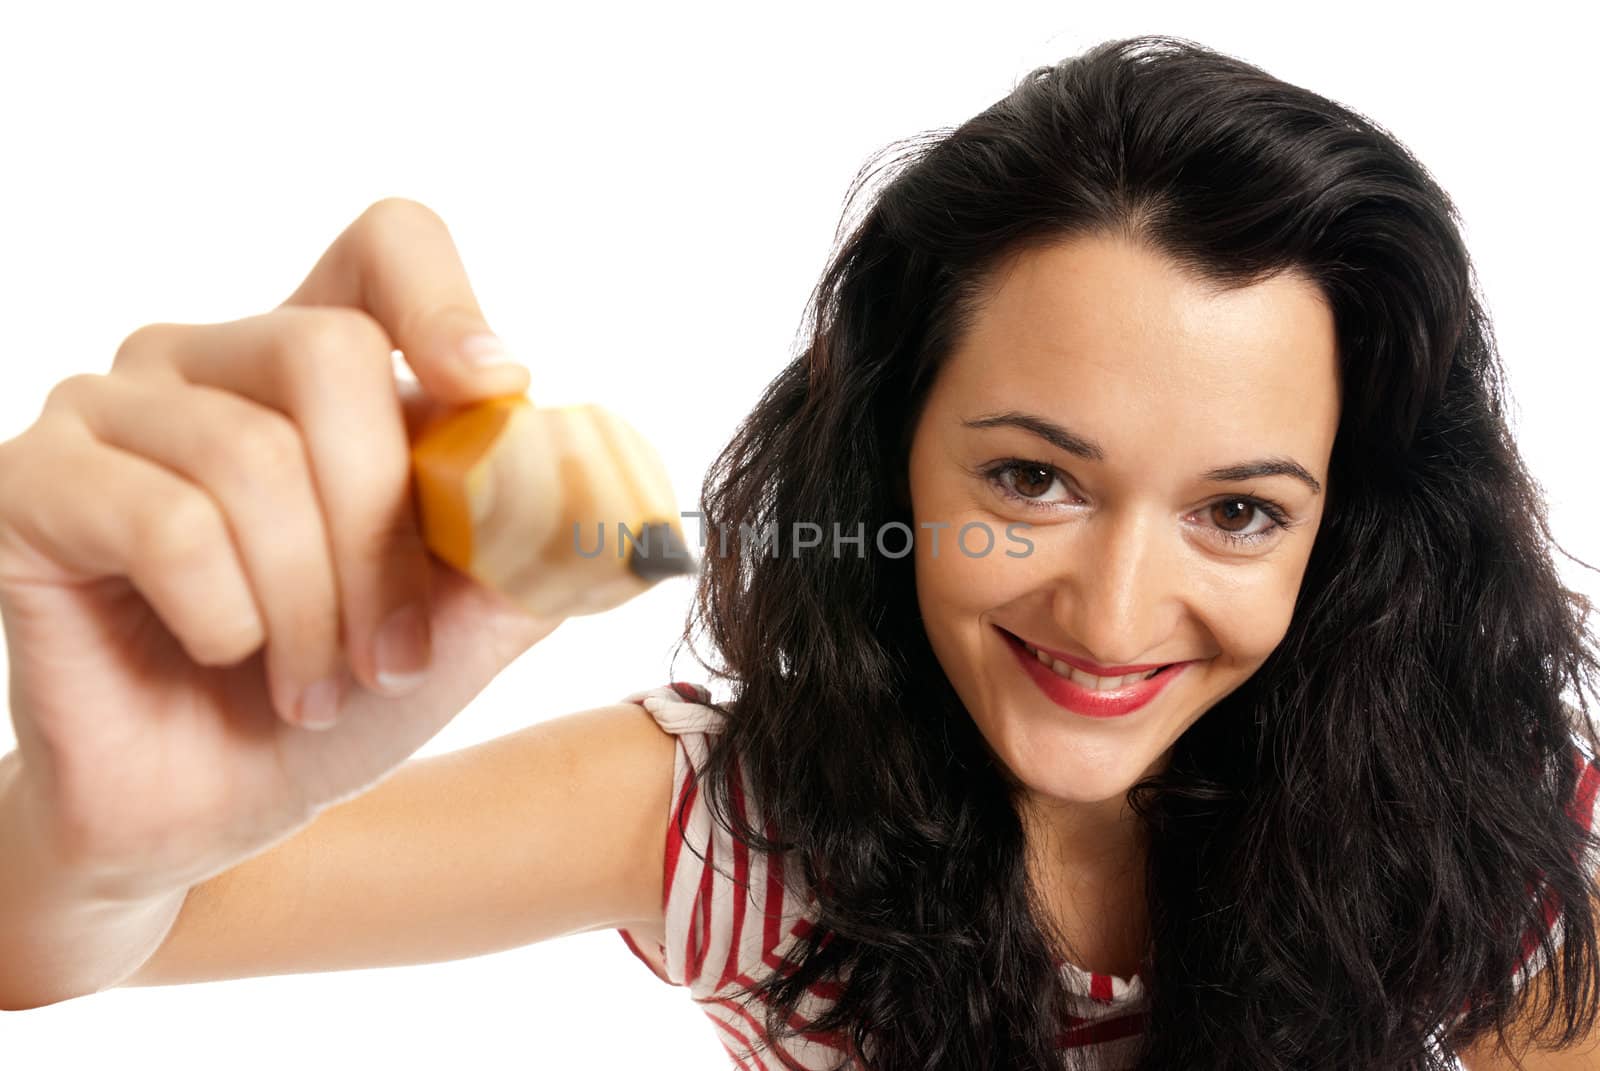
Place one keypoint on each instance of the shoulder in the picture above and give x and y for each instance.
(727, 909)
(679, 707)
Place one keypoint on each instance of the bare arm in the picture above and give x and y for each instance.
(555, 829)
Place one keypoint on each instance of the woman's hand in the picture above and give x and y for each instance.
(190, 543)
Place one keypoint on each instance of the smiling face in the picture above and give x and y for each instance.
(1100, 397)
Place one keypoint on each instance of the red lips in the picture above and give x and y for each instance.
(1070, 695)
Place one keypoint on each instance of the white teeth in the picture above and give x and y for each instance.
(1093, 683)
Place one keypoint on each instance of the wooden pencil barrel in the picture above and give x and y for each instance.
(545, 505)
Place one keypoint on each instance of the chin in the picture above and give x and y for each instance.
(1057, 760)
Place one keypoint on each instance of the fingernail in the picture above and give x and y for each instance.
(485, 351)
(401, 653)
(319, 705)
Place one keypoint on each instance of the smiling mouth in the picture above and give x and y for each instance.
(1085, 694)
(1087, 681)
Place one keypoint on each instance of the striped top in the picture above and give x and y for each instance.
(730, 919)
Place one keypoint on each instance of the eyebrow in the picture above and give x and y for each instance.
(1089, 450)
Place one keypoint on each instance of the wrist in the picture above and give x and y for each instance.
(63, 932)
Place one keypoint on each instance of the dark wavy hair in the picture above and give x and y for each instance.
(1344, 852)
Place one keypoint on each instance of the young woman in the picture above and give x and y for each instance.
(1143, 642)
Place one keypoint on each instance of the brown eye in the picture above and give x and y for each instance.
(1027, 483)
(1229, 517)
(1231, 511)
(1032, 480)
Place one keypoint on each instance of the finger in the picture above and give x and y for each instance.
(142, 522)
(250, 462)
(398, 263)
(330, 371)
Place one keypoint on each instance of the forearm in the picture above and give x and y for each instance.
(58, 939)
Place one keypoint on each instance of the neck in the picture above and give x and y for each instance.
(1100, 839)
(1087, 861)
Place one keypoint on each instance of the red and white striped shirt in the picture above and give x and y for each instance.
(729, 918)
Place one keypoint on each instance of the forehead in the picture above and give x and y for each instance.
(1102, 332)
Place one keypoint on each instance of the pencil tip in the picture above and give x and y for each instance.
(660, 553)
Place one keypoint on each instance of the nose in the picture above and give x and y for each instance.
(1120, 590)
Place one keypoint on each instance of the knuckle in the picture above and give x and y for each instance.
(399, 212)
(71, 391)
(267, 441)
(179, 531)
(325, 337)
(141, 345)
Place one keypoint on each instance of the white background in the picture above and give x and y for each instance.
(643, 197)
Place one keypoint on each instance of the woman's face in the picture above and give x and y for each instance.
(1151, 428)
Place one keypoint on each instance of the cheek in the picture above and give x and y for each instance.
(1248, 615)
(962, 562)
(958, 593)
(949, 589)
(969, 581)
